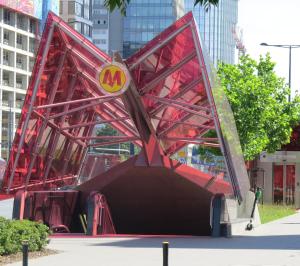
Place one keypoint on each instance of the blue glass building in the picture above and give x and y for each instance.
(145, 19)
(216, 27)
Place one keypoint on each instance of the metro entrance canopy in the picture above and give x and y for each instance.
(160, 99)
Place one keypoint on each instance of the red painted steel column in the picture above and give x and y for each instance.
(30, 108)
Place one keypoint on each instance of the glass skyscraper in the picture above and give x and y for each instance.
(145, 19)
(216, 27)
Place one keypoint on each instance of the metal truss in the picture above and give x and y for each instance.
(170, 103)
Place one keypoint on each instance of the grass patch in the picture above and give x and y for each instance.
(270, 213)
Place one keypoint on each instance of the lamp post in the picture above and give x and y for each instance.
(290, 47)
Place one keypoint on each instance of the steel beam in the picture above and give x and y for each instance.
(41, 182)
(79, 108)
(183, 123)
(159, 45)
(95, 123)
(54, 126)
(180, 103)
(165, 73)
(50, 158)
(81, 40)
(103, 137)
(113, 142)
(182, 91)
(189, 139)
(30, 108)
(44, 124)
(73, 102)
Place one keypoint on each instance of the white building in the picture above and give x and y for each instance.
(18, 45)
(78, 14)
(100, 31)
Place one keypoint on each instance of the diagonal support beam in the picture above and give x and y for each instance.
(161, 44)
(104, 137)
(74, 102)
(50, 155)
(54, 126)
(95, 123)
(47, 114)
(168, 101)
(80, 108)
(165, 73)
(182, 91)
(30, 107)
(113, 142)
(184, 123)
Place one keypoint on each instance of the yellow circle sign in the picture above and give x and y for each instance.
(113, 78)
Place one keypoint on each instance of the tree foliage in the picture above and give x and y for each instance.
(122, 4)
(258, 98)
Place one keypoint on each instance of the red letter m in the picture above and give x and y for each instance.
(110, 80)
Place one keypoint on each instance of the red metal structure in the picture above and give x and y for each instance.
(173, 100)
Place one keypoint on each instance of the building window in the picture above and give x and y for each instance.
(5, 78)
(103, 11)
(7, 17)
(76, 25)
(31, 63)
(19, 61)
(60, 7)
(98, 2)
(86, 30)
(5, 58)
(19, 41)
(75, 8)
(21, 23)
(19, 82)
(86, 10)
(6, 37)
(31, 45)
(100, 41)
(32, 26)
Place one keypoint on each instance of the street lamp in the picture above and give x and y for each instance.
(290, 47)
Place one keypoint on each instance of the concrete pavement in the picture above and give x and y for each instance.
(272, 244)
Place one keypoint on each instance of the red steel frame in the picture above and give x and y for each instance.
(168, 105)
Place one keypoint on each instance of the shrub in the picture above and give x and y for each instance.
(14, 232)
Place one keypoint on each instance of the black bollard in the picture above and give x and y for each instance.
(25, 252)
(165, 246)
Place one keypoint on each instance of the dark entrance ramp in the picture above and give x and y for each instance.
(157, 200)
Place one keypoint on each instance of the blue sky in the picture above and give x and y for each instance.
(273, 22)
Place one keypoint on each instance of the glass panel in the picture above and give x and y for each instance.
(51, 157)
(290, 184)
(181, 95)
(278, 184)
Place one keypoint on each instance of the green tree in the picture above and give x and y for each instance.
(108, 130)
(258, 98)
(122, 4)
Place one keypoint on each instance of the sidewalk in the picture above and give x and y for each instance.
(273, 244)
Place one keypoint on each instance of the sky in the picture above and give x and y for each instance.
(273, 22)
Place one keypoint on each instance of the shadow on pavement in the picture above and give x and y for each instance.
(283, 242)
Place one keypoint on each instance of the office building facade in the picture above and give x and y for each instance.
(78, 14)
(18, 46)
(216, 26)
(143, 21)
(21, 23)
(146, 18)
(100, 31)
